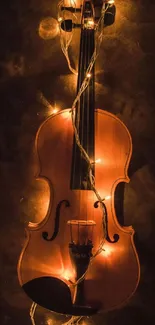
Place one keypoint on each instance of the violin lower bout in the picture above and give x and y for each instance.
(45, 268)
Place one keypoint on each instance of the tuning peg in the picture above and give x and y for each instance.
(109, 17)
(67, 25)
(110, 14)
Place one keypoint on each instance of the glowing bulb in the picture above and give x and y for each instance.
(107, 197)
(60, 19)
(67, 275)
(97, 161)
(111, 2)
(91, 22)
(55, 110)
(49, 321)
(106, 252)
(73, 2)
(88, 75)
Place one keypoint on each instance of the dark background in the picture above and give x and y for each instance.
(125, 86)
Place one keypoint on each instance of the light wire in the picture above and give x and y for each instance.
(66, 38)
(99, 29)
(74, 320)
(65, 43)
(32, 312)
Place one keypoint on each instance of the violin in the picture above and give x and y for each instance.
(79, 260)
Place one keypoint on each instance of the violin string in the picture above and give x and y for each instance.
(99, 37)
(85, 154)
(83, 87)
(87, 124)
(100, 225)
(92, 88)
(94, 128)
(87, 112)
(80, 119)
(82, 99)
(83, 117)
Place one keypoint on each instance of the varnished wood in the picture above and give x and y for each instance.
(114, 274)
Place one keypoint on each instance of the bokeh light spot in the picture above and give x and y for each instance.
(48, 28)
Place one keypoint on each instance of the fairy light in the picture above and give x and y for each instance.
(107, 251)
(111, 2)
(88, 75)
(60, 19)
(108, 197)
(73, 2)
(49, 321)
(97, 161)
(89, 23)
(66, 275)
(55, 110)
(51, 109)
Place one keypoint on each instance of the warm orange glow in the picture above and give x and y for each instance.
(55, 110)
(97, 161)
(88, 75)
(110, 2)
(108, 197)
(66, 114)
(90, 22)
(68, 275)
(107, 251)
(50, 109)
(109, 270)
(73, 3)
(49, 321)
(60, 19)
(86, 321)
(111, 252)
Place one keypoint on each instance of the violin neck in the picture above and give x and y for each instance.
(84, 117)
(86, 104)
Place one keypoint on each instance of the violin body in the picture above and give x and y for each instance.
(113, 275)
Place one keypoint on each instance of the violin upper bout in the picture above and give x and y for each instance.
(39, 204)
(51, 145)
